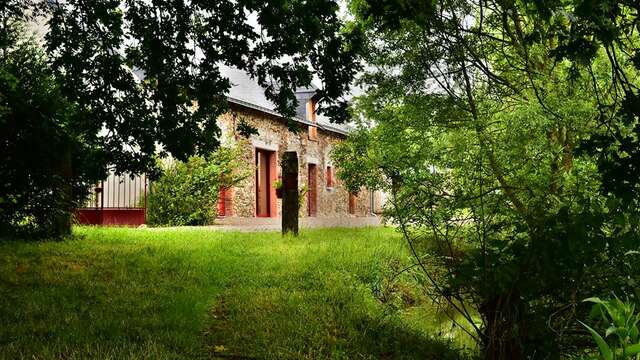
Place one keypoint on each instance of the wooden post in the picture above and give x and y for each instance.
(290, 201)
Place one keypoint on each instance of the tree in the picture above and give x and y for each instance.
(34, 119)
(477, 129)
(143, 76)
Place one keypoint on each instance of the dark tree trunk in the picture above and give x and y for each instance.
(505, 327)
(61, 222)
(290, 201)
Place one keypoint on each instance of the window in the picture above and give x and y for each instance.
(329, 175)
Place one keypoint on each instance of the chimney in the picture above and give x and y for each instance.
(311, 117)
(311, 110)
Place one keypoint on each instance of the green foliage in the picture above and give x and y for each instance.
(187, 192)
(620, 319)
(199, 294)
(38, 145)
(97, 48)
(358, 161)
(481, 133)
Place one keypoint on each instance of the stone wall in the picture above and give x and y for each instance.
(274, 135)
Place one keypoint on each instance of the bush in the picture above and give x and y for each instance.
(187, 192)
(620, 338)
(46, 166)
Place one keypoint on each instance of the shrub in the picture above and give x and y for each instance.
(46, 166)
(187, 192)
(619, 320)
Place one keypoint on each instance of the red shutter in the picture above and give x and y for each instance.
(329, 177)
(312, 195)
(352, 203)
(225, 202)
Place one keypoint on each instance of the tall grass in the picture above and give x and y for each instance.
(194, 293)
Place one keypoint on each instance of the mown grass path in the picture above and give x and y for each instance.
(192, 293)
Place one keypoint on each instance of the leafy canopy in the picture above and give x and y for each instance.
(507, 149)
(126, 80)
(148, 73)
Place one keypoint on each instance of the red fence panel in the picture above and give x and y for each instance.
(118, 200)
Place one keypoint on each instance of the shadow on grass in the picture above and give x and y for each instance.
(391, 340)
(281, 331)
(140, 294)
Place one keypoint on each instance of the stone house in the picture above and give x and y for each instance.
(121, 200)
(256, 196)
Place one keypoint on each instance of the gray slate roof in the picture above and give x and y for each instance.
(247, 92)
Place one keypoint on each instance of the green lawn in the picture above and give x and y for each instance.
(192, 293)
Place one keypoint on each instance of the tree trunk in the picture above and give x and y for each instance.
(505, 327)
(61, 222)
(290, 196)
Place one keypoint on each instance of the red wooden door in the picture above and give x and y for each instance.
(312, 195)
(263, 184)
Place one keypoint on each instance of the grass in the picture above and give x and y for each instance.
(192, 293)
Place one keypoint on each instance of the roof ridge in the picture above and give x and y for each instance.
(275, 113)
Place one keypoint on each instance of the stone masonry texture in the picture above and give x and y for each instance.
(274, 135)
